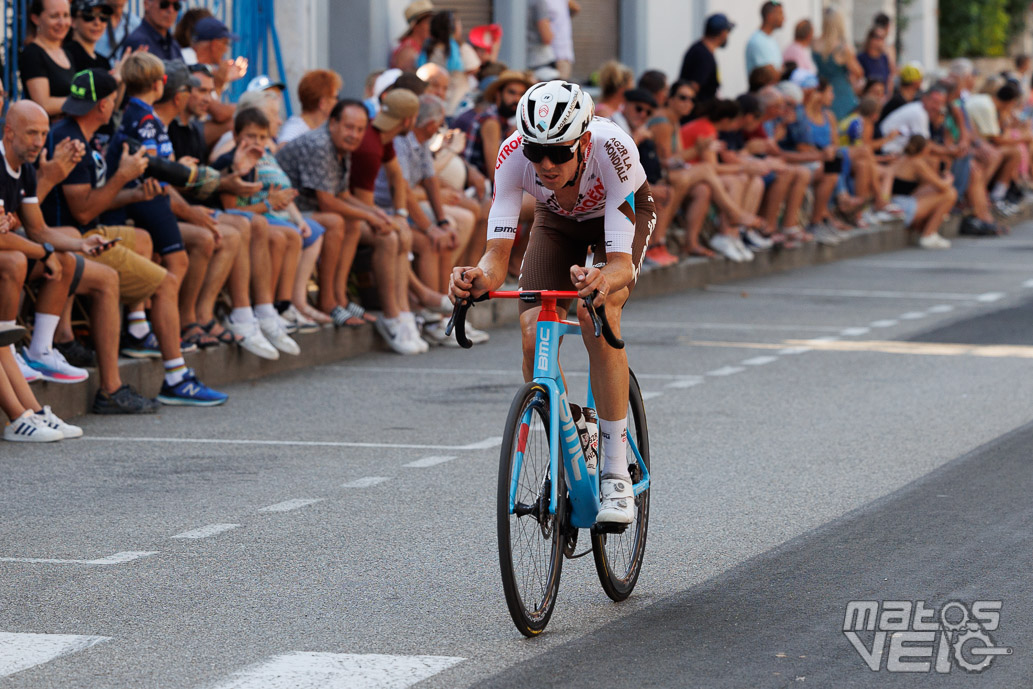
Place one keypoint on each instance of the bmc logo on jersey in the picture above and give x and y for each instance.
(506, 150)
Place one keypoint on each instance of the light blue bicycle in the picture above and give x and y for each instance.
(546, 492)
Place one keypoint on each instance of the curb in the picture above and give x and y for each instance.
(223, 365)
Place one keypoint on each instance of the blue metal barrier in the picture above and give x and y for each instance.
(252, 20)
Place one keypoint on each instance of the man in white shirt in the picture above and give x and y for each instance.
(913, 118)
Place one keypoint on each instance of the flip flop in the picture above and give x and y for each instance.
(342, 317)
(225, 337)
(202, 339)
(359, 312)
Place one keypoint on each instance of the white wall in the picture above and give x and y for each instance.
(922, 37)
(301, 27)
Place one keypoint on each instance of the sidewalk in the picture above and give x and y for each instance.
(223, 365)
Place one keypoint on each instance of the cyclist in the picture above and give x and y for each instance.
(592, 197)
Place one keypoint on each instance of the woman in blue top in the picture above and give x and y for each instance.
(875, 61)
(837, 63)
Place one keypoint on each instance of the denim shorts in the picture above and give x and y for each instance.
(317, 229)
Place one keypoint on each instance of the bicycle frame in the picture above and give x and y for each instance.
(564, 441)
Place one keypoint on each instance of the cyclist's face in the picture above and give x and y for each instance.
(554, 176)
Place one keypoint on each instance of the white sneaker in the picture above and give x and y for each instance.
(299, 321)
(476, 335)
(396, 338)
(743, 251)
(51, 365)
(934, 241)
(434, 333)
(277, 335)
(618, 500)
(724, 245)
(31, 428)
(756, 240)
(31, 375)
(412, 331)
(289, 326)
(52, 420)
(253, 339)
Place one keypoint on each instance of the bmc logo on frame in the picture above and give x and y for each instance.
(917, 638)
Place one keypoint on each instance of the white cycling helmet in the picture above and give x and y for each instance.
(552, 112)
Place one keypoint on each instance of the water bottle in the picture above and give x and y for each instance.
(588, 433)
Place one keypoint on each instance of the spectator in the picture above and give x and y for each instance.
(442, 48)
(436, 78)
(614, 80)
(910, 85)
(491, 127)
(486, 41)
(876, 90)
(155, 31)
(985, 112)
(184, 31)
(700, 65)
(837, 63)
(913, 118)
(541, 57)
(121, 24)
(874, 59)
(46, 69)
(80, 199)
(925, 196)
(317, 93)
(318, 164)
(89, 17)
(210, 42)
(799, 51)
(418, 15)
(762, 48)
(765, 75)
(560, 14)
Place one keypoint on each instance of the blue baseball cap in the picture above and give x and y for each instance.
(716, 23)
(211, 29)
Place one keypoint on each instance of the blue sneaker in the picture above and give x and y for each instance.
(191, 392)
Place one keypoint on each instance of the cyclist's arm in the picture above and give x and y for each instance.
(619, 218)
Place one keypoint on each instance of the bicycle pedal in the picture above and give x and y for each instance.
(609, 528)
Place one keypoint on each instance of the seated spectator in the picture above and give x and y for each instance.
(913, 118)
(762, 48)
(317, 93)
(799, 51)
(875, 89)
(122, 23)
(492, 126)
(926, 197)
(857, 133)
(417, 15)
(318, 165)
(209, 45)
(910, 85)
(985, 112)
(45, 67)
(766, 75)
(184, 31)
(614, 80)
(89, 19)
(875, 60)
(437, 80)
(155, 31)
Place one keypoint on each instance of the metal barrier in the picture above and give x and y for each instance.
(252, 20)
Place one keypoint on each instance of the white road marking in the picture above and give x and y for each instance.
(940, 308)
(1028, 283)
(726, 371)
(911, 316)
(860, 293)
(990, 297)
(794, 350)
(206, 531)
(759, 360)
(365, 482)
(854, 332)
(306, 670)
(887, 323)
(430, 461)
(686, 382)
(912, 265)
(116, 559)
(21, 651)
(485, 444)
(288, 505)
(496, 372)
(826, 338)
(651, 395)
(728, 326)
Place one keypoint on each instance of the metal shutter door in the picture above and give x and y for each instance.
(596, 36)
(471, 12)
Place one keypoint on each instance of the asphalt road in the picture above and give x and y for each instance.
(857, 431)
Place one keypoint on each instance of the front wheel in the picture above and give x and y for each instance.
(531, 538)
(618, 556)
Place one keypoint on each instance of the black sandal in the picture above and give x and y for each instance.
(225, 337)
(202, 339)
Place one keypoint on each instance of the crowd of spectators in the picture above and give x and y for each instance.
(186, 220)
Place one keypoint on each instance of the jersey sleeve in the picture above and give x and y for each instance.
(29, 184)
(620, 161)
(509, 190)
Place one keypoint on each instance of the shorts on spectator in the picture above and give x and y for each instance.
(138, 276)
(234, 211)
(814, 165)
(317, 229)
(910, 206)
(769, 179)
(80, 263)
(157, 218)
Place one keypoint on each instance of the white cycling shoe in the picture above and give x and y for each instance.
(618, 500)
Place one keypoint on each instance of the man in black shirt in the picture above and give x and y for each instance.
(699, 65)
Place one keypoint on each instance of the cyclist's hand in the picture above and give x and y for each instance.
(588, 280)
(466, 280)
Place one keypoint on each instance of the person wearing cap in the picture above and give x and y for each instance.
(486, 40)
(317, 94)
(79, 200)
(155, 32)
(910, 84)
(89, 20)
(492, 126)
(417, 16)
(699, 64)
(762, 48)
(122, 23)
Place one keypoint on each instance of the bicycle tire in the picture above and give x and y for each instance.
(530, 590)
(615, 553)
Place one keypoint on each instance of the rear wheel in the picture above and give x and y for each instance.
(618, 556)
(530, 538)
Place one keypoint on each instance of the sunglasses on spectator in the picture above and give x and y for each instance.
(639, 108)
(102, 15)
(683, 96)
(536, 153)
(165, 4)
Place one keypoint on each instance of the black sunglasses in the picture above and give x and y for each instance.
(536, 153)
(165, 4)
(95, 16)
